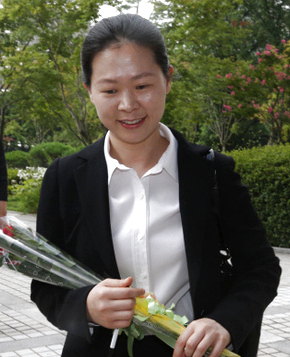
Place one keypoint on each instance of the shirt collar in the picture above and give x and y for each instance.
(168, 160)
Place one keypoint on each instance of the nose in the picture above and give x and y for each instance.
(128, 101)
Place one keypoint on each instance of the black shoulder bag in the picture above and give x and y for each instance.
(225, 254)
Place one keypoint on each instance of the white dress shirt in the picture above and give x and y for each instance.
(146, 226)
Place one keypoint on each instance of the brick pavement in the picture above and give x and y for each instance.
(25, 332)
(275, 338)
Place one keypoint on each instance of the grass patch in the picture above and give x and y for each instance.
(13, 204)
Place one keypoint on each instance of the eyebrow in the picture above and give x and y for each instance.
(138, 76)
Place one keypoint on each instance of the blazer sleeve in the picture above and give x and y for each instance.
(256, 270)
(3, 174)
(64, 308)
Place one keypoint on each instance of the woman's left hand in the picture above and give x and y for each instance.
(199, 336)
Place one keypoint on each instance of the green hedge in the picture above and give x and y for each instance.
(266, 171)
(17, 158)
(42, 155)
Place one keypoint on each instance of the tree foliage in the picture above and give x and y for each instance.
(209, 38)
(262, 91)
(268, 21)
(201, 38)
(46, 38)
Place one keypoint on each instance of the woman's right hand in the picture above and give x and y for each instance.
(111, 303)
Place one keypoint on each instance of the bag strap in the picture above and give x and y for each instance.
(225, 252)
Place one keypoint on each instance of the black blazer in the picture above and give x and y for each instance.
(74, 213)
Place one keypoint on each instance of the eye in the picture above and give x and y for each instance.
(110, 91)
(143, 86)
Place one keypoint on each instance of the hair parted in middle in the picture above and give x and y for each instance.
(120, 29)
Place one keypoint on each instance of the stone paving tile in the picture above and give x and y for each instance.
(16, 327)
(23, 329)
(283, 297)
(46, 351)
(275, 336)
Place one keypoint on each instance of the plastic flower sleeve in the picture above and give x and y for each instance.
(44, 261)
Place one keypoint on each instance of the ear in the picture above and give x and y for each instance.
(90, 92)
(86, 86)
(168, 78)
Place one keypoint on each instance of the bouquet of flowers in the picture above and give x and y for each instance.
(27, 252)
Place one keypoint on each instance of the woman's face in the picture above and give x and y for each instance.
(128, 89)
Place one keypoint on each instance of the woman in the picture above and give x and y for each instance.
(3, 182)
(136, 207)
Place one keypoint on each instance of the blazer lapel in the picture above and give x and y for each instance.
(92, 182)
(195, 180)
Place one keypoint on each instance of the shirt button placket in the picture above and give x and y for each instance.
(142, 244)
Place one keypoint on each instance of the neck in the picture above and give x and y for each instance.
(139, 156)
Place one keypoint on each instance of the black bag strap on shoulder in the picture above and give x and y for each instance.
(250, 346)
(225, 252)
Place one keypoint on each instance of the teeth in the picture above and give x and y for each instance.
(131, 121)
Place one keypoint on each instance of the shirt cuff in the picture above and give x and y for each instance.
(91, 327)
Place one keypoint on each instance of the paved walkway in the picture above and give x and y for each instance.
(25, 332)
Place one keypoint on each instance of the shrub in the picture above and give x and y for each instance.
(19, 159)
(44, 154)
(26, 190)
(13, 179)
(72, 150)
(266, 171)
(27, 195)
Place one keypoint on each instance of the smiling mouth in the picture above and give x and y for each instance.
(132, 122)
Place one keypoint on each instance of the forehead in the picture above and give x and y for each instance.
(124, 59)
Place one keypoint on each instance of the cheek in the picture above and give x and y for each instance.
(102, 114)
(100, 105)
(154, 101)
(157, 104)
(105, 110)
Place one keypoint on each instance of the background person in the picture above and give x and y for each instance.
(136, 207)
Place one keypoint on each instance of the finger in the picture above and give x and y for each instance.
(124, 304)
(118, 324)
(117, 282)
(181, 342)
(195, 345)
(123, 291)
(216, 343)
(118, 319)
(201, 347)
(217, 349)
(125, 315)
(133, 292)
(113, 324)
(127, 282)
